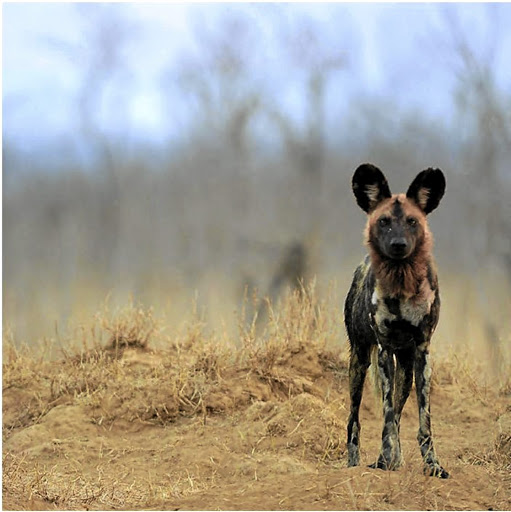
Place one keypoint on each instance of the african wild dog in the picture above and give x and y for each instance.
(392, 308)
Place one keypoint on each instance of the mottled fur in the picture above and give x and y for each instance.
(392, 307)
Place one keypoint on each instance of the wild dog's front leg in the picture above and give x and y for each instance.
(423, 386)
(390, 454)
(359, 362)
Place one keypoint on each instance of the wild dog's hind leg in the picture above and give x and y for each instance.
(390, 454)
(403, 385)
(359, 362)
(423, 385)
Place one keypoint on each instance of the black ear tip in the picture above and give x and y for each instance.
(366, 173)
(435, 173)
(432, 176)
(366, 170)
(437, 176)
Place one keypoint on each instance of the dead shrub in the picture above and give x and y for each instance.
(130, 326)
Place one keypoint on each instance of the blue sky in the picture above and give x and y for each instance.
(395, 53)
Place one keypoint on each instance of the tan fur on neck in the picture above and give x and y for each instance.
(404, 278)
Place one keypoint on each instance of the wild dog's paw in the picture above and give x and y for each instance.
(436, 470)
(382, 463)
(353, 456)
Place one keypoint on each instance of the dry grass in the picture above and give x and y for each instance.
(208, 421)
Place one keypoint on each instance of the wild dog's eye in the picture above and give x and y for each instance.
(411, 221)
(383, 222)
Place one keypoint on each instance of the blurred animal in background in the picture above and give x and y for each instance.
(392, 309)
(291, 271)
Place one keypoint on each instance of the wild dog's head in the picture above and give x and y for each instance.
(397, 224)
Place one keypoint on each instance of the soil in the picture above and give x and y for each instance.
(248, 438)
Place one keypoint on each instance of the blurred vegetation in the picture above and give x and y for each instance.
(215, 215)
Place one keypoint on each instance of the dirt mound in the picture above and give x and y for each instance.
(304, 423)
(201, 425)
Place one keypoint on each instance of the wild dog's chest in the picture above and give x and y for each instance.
(400, 318)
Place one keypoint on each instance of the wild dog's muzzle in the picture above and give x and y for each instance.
(399, 247)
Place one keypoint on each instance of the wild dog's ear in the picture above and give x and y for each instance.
(427, 189)
(370, 187)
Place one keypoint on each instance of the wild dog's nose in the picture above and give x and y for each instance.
(398, 244)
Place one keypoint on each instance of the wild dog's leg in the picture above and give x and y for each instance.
(390, 454)
(404, 379)
(403, 385)
(423, 385)
(359, 362)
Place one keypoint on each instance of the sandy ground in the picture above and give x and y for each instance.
(118, 433)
